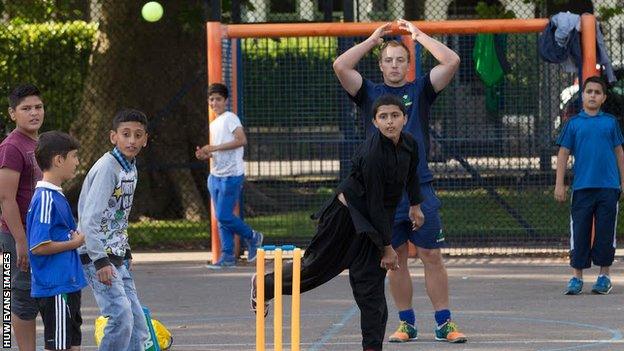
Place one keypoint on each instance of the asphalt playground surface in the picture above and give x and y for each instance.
(499, 303)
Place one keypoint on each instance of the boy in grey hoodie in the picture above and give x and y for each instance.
(103, 210)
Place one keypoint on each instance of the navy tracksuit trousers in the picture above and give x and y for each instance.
(601, 203)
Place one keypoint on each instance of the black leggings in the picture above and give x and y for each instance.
(336, 247)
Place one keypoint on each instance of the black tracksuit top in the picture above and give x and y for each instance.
(380, 172)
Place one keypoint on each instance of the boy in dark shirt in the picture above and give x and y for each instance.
(419, 96)
(355, 228)
(19, 174)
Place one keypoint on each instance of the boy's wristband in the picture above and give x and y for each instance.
(101, 263)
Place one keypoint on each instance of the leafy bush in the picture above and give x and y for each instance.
(55, 57)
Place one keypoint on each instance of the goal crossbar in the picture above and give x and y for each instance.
(217, 32)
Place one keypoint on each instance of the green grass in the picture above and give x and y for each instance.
(476, 211)
(164, 233)
(291, 224)
(471, 213)
(187, 234)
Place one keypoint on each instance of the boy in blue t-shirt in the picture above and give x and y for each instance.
(56, 271)
(595, 140)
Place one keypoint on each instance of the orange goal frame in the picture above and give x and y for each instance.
(216, 32)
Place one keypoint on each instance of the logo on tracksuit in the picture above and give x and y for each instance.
(440, 237)
(406, 101)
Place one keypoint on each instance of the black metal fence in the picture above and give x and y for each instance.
(492, 148)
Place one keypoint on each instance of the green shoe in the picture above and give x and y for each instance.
(449, 332)
(404, 333)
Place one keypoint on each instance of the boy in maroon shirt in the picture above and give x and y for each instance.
(19, 174)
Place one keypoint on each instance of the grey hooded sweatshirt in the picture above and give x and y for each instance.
(103, 209)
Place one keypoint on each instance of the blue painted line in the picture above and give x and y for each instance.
(328, 334)
(336, 328)
(331, 332)
(239, 318)
(616, 335)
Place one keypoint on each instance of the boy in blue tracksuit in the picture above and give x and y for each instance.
(56, 273)
(595, 140)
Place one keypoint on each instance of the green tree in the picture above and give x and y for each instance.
(145, 65)
(142, 65)
(38, 11)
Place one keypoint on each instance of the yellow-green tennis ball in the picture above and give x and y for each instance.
(152, 11)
